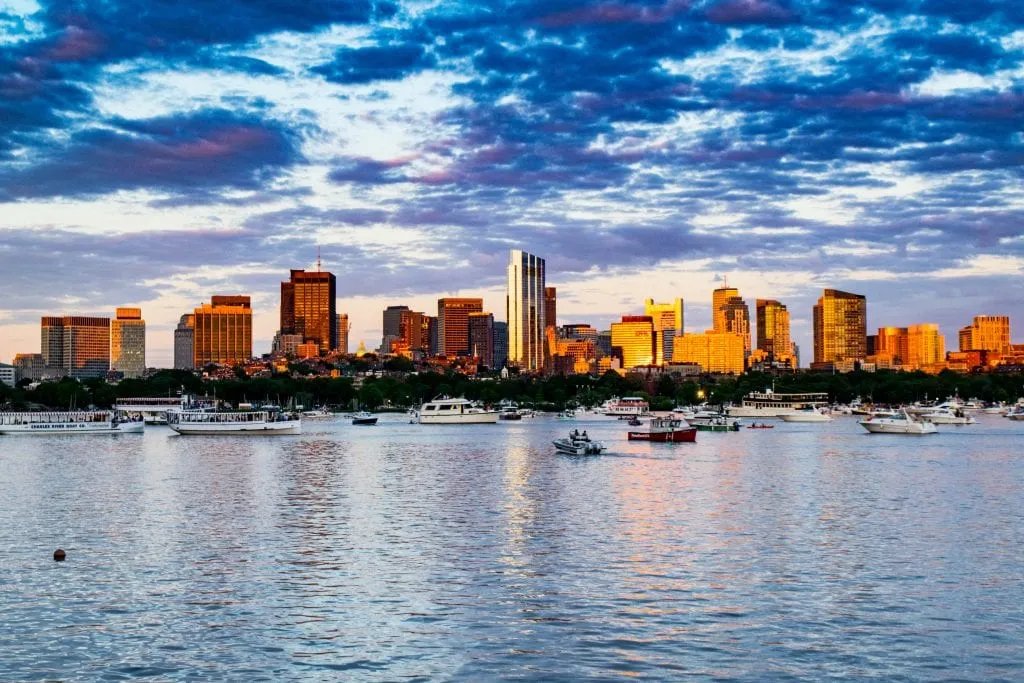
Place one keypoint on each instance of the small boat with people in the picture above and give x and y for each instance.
(760, 425)
(70, 422)
(710, 421)
(900, 423)
(321, 413)
(446, 410)
(263, 422)
(567, 415)
(948, 416)
(666, 430)
(364, 419)
(808, 414)
(578, 443)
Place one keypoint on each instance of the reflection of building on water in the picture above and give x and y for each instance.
(519, 507)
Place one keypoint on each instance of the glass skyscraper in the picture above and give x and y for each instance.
(525, 304)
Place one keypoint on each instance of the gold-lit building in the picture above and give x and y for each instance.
(773, 330)
(308, 308)
(344, 327)
(633, 341)
(840, 327)
(668, 326)
(453, 324)
(718, 352)
(730, 314)
(986, 333)
(128, 342)
(223, 331)
(926, 348)
(892, 343)
(575, 357)
(525, 309)
(78, 345)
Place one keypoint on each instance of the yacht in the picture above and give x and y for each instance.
(807, 415)
(1016, 413)
(629, 406)
(708, 421)
(770, 404)
(69, 422)
(236, 423)
(446, 410)
(901, 423)
(948, 416)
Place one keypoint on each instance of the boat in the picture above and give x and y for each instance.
(771, 404)
(994, 409)
(683, 413)
(708, 421)
(1016, 413)
(445, 410)
(321, 413)
(806, 415)
(510, 413)
(666, 429)
(234, 423)
(153, 410)
(762, 425)
(629, 406)
(578, 443)
(69, 422)
(901, 423)
(948, 416)
(567, 415)
(364, 418)
(635, 422)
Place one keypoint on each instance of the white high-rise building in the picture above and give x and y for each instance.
(525, 310)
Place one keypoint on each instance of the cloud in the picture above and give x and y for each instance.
(377, 63)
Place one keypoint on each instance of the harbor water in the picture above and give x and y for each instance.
(409, 552)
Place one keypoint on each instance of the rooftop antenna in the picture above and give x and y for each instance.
(318, 258)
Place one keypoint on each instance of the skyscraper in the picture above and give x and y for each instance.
(986, 333)
(128, 342)
(308, 307)
(550, 306)
(550, 331)
(500, 345)
(223, 331)
(78, 345)
(668, 325)
(184, 343)
(525, 309)
(481, 337)
(633, 340)
(892, 345)
(925, 346)
(840, 327)
(410, 330)
(731, 314)
(717, 352)
(344, 327)
(773, 329)
(453, 324)
(391, 327)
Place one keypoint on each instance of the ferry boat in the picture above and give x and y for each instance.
(153, 410)
(664, 430)
(900, 423)
(770, 404)
(69, 422)
(629, 406)
(235, 423)
(447, 410)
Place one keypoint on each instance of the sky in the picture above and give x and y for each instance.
(155, 153)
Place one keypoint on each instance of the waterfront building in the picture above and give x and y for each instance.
(78, 345)
(773, 330)
(308, 307)
(500, 337)
(668, 324)
(986, 333)
(223, 331)
(344, 327)
(633, 341)
(730, 314)
(32, 366)
(391, 328)
(481, 337)
(184, 343)
(840, 327)
(8, 375)
(453, 324)
(926, 348)
(717, 352)
(128, 342)
(525, 308)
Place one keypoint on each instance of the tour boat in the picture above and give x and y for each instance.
(235, 423)
(666, 429)
(948, 416)
(708, 421)
(69, 422)
(901, 423)
(629, 406)
(578, 443)
(807, 415)
(771, 404)
(153, 410)
(364, 419)
(447, 411)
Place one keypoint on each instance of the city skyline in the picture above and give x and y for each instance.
(643, 148)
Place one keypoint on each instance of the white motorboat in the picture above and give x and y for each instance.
(683, 413)
(901, 423)
(449, 411)
(948, 416)
(321, 413)
(578, 443)
(1016, 413)
(806, 415)
(364, 419)
(710, 421)
(567, 415)
(771, 404)
(234, 423)
(69, 422)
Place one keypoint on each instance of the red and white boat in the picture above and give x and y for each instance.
(666, 429)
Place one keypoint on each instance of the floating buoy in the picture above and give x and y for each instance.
(59, 555)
